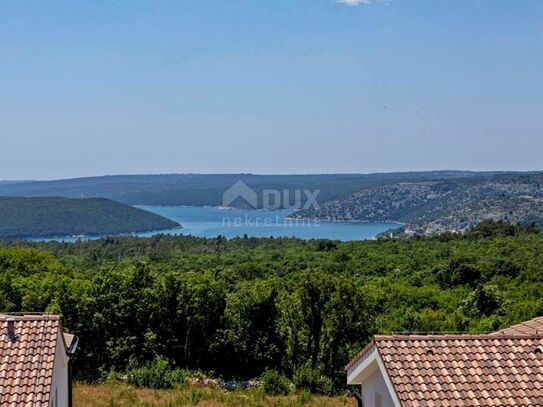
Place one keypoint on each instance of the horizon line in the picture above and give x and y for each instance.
(306, 174)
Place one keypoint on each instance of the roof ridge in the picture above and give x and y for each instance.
(29, 317)
(488, 336)
(534, 325)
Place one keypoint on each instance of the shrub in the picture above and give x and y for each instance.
(274, 383)
(156, 375)
(176, 376)
(307, 378)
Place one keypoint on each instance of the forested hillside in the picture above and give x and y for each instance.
(207, 189)
(429, 207)
(53, 216)
(303, 308)
(427, 202)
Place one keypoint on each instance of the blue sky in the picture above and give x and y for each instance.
(269, 86)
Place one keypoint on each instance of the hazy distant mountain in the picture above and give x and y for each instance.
(198, 189)
(50, 216)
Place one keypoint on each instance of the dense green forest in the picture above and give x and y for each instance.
(53, 216)
(236, 308)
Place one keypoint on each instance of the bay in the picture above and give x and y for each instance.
(207, 221)
(214, 221)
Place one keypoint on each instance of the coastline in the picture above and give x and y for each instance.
(75, 238)
(347, 220)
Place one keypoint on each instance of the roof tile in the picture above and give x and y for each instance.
(497, 370)
(26, 365)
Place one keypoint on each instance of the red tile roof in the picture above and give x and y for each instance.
(26, 364)
(504, 368)
(531, 327)
(464, 370)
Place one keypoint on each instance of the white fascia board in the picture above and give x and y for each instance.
(365, 366)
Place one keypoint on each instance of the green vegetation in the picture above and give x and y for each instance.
(436, 206)
(156, 374)
(275, 384)
(50, 216)
(239, 308)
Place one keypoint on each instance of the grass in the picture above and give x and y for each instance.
(122, 395)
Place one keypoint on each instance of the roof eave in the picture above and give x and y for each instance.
(360, 354)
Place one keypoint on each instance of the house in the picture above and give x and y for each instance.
(35, 361)
(504, 368)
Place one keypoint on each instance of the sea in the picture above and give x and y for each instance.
(209, 221)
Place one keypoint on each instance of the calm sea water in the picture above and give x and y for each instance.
(213, 221)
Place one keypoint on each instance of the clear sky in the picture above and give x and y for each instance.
(269, 86)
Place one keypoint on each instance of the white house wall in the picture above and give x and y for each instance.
(373, 388)
(59, 386)
(369, 372)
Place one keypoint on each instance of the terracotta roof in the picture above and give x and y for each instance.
(68, 340)
(531, 327)
(464, 370)
(26, 364)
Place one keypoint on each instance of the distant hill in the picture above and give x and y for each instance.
(427, 202)
(207, 189)
(54, 216)
(428, 207)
